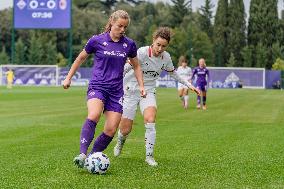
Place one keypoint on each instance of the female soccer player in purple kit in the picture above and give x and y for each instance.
(201, 83)
(105, 91)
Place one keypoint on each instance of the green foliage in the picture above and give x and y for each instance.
(247, 56)
(205, 18)
(236, 30)
(261, 55)
(263, 23)
(264, 27)
(61, 61)
(4, 58)
(51, 53)
(20, 52)
(231, 61)
(36, 51)
(220, 33)
(178, 12)
(278, 65)
(6, 28)
(277, 51)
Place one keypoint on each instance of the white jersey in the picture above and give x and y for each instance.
(151, 67)
(184, 73)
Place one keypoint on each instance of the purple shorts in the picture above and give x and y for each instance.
(202, 87)
(112, 100)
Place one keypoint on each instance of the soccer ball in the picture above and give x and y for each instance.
(97, 163)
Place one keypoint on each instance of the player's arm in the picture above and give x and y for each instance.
(127, 67)
(138, 74)
(193, 74)
(79, 60)
(174, 75)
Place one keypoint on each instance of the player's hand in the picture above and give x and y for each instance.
(66, 83)
(197, 91)
(143, 92)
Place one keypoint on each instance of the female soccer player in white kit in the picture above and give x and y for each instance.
(153, 60)
(185, 73)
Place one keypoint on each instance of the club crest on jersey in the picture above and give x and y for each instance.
(124, 45)
(105, 44)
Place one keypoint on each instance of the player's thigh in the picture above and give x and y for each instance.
(111, 122)
(95, 108)
(148, 107)
(180, 92)
(130, 102)
(185, 92)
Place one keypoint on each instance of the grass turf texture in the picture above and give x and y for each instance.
(237, 143)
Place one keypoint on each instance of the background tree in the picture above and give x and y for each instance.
(205, 19)
(264, 26)
(236, 30)
(4, 58)
(247, 56)
(220, 33)
(178, 11)
(35, 51)
(20, 52)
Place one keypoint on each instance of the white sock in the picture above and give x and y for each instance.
(186, 99)
(150, 138)
(121, 138)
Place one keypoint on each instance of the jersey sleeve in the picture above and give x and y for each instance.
(169, 66)
(133, 50)
(141, 54)
(90, 47)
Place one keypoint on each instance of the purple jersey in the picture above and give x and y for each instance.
(201, 75)
(109, 60)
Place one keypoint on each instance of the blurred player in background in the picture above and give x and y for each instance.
(153, 60)
(10, 78)
(202, 75)
(185, 73)
(105, 91)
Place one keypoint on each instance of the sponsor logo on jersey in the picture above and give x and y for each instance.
(92, 93)
(115, 53)
(124, 45)
(105, 44)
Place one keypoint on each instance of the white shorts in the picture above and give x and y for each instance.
(182, 86)
(132, 98)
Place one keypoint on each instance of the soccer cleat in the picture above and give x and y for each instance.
(79, 160)
(117, 150)
(198, 106)
(150, 161)
(204, 107)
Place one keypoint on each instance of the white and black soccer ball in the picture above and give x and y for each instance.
(97, 163)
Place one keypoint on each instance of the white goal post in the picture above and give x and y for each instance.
(31, 75)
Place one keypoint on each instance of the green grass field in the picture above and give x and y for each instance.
(237, 143)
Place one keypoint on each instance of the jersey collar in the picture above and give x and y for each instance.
(110, 39)
(150, 53)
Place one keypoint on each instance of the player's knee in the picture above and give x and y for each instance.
(93, 116)
(125, 126)
(125, 130)
(110, 131)
(149, 119)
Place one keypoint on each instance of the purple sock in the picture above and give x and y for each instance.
(198, 99)
(204, 100)
(87, 135)
(101, 143)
